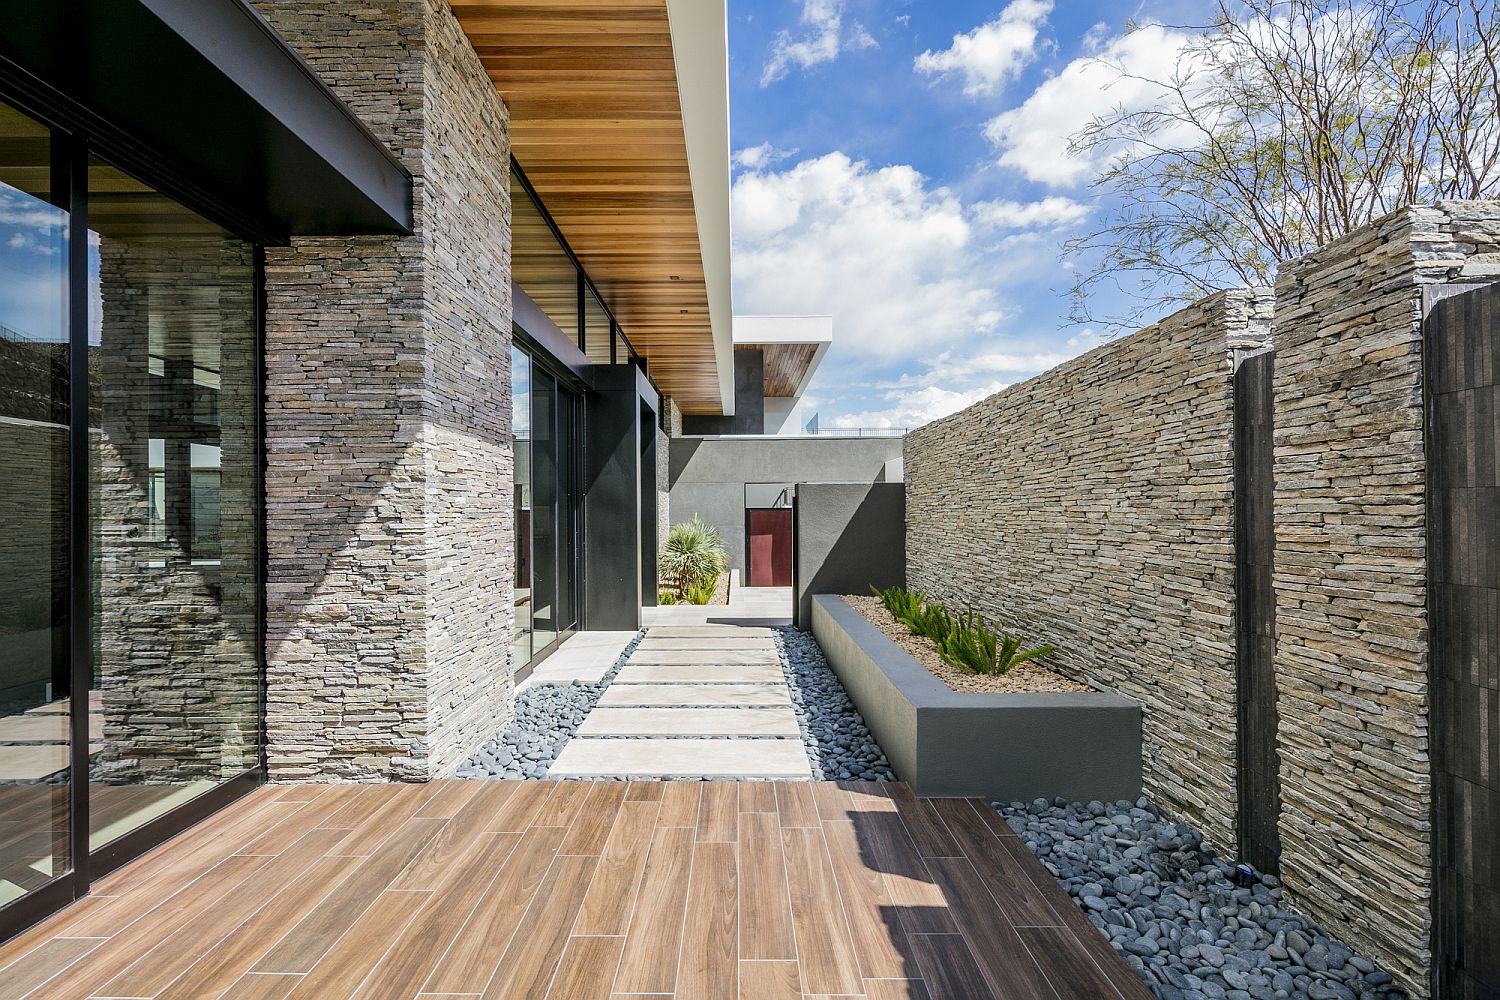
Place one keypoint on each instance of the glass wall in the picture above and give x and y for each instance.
(596, 331)
(130, 391)
(544, 412)
(173, 458)
(34, 593)
(540, 264)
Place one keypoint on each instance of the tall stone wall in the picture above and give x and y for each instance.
(389, 602)
(1351, 569)
(1091, 507)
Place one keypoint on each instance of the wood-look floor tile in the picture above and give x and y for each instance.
(1067, 967)
(611, 897)
(718, 811)
(919, 902)
(422, 945)
(1015, 893)
(382, 824)
(644, 791)
(262, 986)
(368, 802)
(765, 905)
(343, 968)
(708, 968)
(832, 802)
(518, 813)
(1009, 968)
(649, 962)
(794, 803)
(874, 921)
(587, 968)
(314, 813)
(868, 796)
(590, 830)
(437, 862)
(527, 966)
(679, 803)
(43, 962)
(758, 796)
(223, 963)
(931, 837)
(83, 979)
(172, 954)
(471, 960)
(301, 948)
(949, 970)
(770, 981)
(824, 949)
(451, 796)
(896, 989)
(564, 805)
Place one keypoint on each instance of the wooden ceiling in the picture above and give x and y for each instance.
(785, 366)
(596, 124)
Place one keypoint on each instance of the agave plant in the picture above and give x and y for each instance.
(694, 551)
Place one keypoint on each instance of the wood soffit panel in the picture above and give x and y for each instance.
(596, 124)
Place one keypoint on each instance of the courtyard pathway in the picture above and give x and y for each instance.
(707, 701)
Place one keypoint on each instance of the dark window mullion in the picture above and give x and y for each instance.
(71, 156)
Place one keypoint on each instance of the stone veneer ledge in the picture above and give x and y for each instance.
(388, 439)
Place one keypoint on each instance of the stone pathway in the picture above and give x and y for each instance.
(692, 701)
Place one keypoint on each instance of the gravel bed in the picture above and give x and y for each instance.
(1190, 926)
(1030, 676)
(839, 746)
(546, 717)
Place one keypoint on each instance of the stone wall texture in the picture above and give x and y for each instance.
(1351, 569)
(389, 457)
(1091, 507)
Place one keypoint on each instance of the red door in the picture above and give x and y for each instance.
(771, 547)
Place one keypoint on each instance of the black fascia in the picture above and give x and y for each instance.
(206, 96)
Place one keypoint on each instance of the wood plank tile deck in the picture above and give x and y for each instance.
(571, 890)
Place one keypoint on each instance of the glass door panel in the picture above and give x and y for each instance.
(34, 586)
(567, 510)
(520, 400)
(544, 519)
(173, 478)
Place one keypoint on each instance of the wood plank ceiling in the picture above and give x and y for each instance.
(596, 124)
(785, 366)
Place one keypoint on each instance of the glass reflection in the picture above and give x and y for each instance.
(34, 592)
(173, 464)
(520, 399)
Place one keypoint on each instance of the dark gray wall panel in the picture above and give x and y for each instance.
(749, 400)
(848, 537)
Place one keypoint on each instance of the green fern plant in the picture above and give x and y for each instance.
(701, 590)
(1010, 654)
(666, 598)
(934, 621)
(903, 604)
(970, 645)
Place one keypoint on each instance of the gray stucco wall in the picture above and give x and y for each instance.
(850, 536)
(707, 475)
(749, 400)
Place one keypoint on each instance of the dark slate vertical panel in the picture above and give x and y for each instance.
(1464, 571)
(1259, 793)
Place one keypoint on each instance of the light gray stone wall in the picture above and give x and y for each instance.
(389, 605)
(1351, 568)
(1090, 507)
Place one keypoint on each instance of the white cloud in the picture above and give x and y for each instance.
(762, 156)
(949, 367)
(821, 42)
(1049, 213)
(1033, 138)
(915, 407)
(894, 261)
(993, 53)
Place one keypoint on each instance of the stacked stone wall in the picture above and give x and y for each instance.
(1351, 572)
(1091, 507)
(389, 459)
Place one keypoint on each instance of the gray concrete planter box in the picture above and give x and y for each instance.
(1009, 747)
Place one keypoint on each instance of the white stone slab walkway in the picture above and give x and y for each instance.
(693, 701)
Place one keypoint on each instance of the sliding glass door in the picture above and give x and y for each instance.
(130, 521)
(544, 415)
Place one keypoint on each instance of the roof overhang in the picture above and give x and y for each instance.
(206, 93)
(793, 347)
(619, 114)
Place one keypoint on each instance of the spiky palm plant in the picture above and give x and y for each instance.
(693, 551)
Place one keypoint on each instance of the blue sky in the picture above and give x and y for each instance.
(903, 166)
